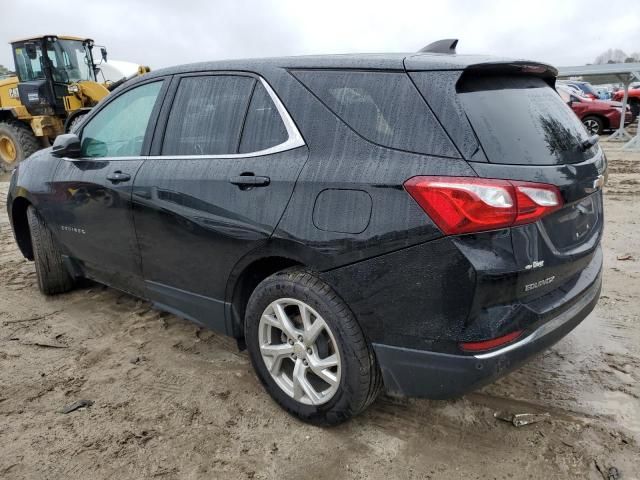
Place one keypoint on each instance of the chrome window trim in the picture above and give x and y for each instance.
(294, 139)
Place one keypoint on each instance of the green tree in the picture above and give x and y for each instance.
(4, 70)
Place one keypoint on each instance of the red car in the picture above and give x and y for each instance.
(596, 115)
(634, 99)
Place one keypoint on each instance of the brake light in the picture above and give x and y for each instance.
(470, 204)
(490, 344)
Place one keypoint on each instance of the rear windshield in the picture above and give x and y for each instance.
(522, 121)
(383, 107)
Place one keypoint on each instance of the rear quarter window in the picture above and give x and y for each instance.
(383, 107)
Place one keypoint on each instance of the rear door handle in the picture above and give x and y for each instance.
(118, 176)
(247, 181)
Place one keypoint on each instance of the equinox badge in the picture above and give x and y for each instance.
(540, 283)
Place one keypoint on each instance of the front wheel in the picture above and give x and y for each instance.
(308, 349)
(594, 125)
(53, 276)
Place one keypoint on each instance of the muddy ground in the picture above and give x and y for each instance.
(174, 401)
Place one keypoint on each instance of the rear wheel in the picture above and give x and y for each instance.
(308, 349)
(17, 142)
(53, 276)
(594, 125)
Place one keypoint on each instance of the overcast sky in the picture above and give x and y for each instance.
(160, 33)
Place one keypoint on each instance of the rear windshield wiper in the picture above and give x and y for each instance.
(589, 142)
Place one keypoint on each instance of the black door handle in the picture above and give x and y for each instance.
(118, 176)
(248, 181)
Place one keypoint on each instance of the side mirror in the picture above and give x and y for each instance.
(67, 145)
(103, 52)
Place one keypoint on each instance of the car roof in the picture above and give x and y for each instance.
(365, 61)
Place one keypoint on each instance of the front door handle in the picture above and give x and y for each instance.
(248, 181)
(118, 176)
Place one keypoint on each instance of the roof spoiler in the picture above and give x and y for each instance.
(538, 69)
(447, 45)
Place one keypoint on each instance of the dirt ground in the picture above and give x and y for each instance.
(175, 401)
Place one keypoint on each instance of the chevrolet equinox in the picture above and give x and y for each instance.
(419, 223)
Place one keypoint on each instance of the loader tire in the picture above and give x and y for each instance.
(73, 125)
(53, 276)
(17, 142)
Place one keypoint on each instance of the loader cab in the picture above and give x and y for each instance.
(48, 67)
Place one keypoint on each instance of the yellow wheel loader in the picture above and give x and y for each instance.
(55, 85)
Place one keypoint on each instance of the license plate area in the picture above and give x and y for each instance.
(575, 224)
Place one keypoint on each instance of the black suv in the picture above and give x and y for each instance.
(421, 223)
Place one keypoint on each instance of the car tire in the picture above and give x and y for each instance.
(53, 276)
(290, 375)
(594, 125)
(634, 105)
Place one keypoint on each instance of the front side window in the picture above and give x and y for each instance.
(207, 115)
(71, 61)
(118, 130)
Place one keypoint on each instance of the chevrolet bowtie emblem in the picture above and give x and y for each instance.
(598, 183)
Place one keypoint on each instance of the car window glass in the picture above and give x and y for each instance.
(263, 126)
(207, 115)
(118, 130)
(29, 68)
(383, 107)
(564, 96)
(520, 120)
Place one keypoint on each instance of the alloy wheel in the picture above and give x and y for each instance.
(591, 126)
(299, 351)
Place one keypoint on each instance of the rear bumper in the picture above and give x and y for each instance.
(419, 373)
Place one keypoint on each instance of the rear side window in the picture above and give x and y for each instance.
(207, 115)
(383, 107)
(521, 120)
(263, 127)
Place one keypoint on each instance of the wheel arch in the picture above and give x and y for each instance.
(8, 114)
(20, 225)
(245, 279)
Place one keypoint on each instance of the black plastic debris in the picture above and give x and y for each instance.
(72, 407)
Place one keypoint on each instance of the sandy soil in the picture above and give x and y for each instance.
(174, 401)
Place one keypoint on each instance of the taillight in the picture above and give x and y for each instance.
(490, 344)
(470, 204)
